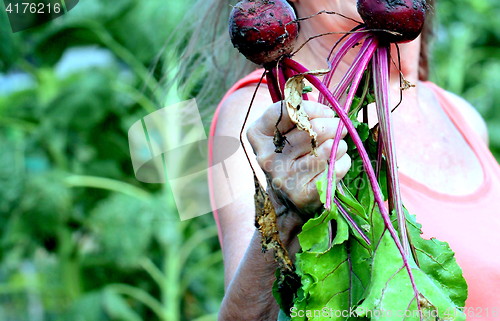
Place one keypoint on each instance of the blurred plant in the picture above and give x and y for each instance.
(470, 30)
(80, 238)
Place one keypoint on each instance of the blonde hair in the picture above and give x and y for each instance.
(209, 64)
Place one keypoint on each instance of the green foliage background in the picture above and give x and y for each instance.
(80, 237)
(466, 57)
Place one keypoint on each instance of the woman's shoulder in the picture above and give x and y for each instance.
(252, 84)
(465, 110)
(233, 108)
(470, 114)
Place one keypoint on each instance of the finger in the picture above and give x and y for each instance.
(299, 141)
(341, 150)
(344, 130)
(267, 122)
(310, 166)
(342, 166)
(324, 152)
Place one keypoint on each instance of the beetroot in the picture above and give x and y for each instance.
(263, 30)
(405, 17)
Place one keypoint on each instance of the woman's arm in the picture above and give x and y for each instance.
(249, 285)
(237, 219)
(249, 294)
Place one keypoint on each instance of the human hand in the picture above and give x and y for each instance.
(293, 173)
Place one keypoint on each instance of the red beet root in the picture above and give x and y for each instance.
(263, 30)
(405, 17)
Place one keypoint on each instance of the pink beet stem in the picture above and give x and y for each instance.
(335, 61)
(381, 84)
(272, 85)
(359, 66)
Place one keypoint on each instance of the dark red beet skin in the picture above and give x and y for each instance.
(263, 30)
(406, 17)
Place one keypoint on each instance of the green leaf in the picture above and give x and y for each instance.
(360, 260)
(391, 294)
(342, 231)
(315, 232)
(321, 186)
(351, 203)
(332, 278)
(363, 132)
(363, 129)
(437, 260)
(325, 280)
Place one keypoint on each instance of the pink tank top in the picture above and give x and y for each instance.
(469, 223)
